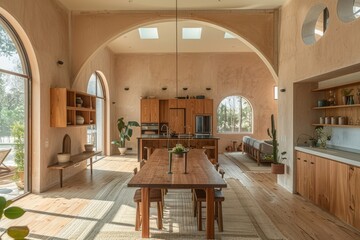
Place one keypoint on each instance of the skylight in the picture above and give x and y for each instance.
(228, 35)
(191, 33)
(148, 33)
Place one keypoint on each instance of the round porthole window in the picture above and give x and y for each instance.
(315, 24)
(348, 10)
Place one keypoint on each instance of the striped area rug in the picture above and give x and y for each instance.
(247, 163)
(113, 217)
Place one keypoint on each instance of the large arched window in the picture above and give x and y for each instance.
(96, 132)
(14, 113)
(234, 115)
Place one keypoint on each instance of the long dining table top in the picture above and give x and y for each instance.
(200, 172)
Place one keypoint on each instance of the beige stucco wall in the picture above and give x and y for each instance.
(91, 31)
(225, 73)
(337, 49)
(45, 26)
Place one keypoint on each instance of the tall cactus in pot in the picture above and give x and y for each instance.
(272, 135)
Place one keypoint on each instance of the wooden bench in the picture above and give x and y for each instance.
(74, 159)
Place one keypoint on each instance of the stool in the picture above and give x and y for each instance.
(208, 151)
(148, 152)
(234, 145)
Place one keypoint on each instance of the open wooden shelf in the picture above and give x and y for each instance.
(336, 106)
(64, 109)
(336, 125)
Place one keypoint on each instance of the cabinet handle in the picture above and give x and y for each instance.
(298, 158)
(352, 168)
(305, 160)
(312, 162)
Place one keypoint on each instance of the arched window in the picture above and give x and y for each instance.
(14, 110)
(96, 133)
(234, 115)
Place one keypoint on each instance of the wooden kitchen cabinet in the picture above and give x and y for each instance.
(322, 188)
(203, 106)
(339, 193)
(354, 197)
(177, 120)
(305, 171)
(64, 109)
(150, 111)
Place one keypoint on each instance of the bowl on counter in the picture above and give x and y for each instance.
(89, 147)
(63, 157)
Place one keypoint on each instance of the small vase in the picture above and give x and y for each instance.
(350, 100)
(344, 100)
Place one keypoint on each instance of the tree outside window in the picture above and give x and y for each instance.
(234, 115)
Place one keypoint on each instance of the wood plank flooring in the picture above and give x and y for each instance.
(49, 212)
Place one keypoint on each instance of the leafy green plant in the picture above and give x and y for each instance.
(17, 131)
(125, 131)
(179, 148)
(16, 232)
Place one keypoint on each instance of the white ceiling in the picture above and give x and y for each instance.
(212, 39)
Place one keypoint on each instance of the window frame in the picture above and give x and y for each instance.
(237, 133)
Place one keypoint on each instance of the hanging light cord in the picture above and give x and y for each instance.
(176, 42)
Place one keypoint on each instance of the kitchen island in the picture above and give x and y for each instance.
(154, 141)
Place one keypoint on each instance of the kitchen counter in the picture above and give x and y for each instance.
(185, 137)
(148, 143)
(337, 154)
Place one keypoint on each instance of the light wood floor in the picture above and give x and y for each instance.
(296, 218)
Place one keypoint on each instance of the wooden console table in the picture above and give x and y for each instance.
(74, 159)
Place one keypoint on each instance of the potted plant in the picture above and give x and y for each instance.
(17, 131)
(323, 135)
(347, 98)
(179, 150)
(125, 133)
(276, 166)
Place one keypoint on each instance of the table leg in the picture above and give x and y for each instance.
(91, 168)
(145, 212)
(61, 177)
(210, 230)
(216, 151)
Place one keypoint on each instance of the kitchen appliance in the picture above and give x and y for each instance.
(203, 125)
(149, 128)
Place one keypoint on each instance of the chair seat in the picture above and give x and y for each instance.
(200, 195)
(155, 195)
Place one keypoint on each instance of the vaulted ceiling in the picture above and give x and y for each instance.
(212, 39)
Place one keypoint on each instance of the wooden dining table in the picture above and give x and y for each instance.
(200, 173)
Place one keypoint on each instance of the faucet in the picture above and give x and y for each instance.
(167, 130)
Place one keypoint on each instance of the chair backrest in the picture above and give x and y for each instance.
(142, 163)
(3, 154)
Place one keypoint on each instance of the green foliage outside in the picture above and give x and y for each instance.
(234, 115)
(16, 232)
(17, 131)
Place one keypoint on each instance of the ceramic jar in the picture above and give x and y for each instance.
(80, 119)
(327, 120)
(334, 120)
(79, 102)
(343, 121)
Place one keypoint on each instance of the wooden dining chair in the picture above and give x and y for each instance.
(200, 197)
(156, 195)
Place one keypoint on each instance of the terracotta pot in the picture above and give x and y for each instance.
(178, 155)
(277, 168)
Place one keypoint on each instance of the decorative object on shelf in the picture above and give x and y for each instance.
(358, 95)
(323, 135)
(322, 120)
(89, 147)
(343, 120)
(79, 101)
(125, 133)
(331, 101)
(334, 120)
(63, 157)
(276, 166)
(80, 120)
(350, 100)
(328, 120)
(322, 103)
(346, 93)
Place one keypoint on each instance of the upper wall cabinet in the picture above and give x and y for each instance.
(71, 108)
(150, 111)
